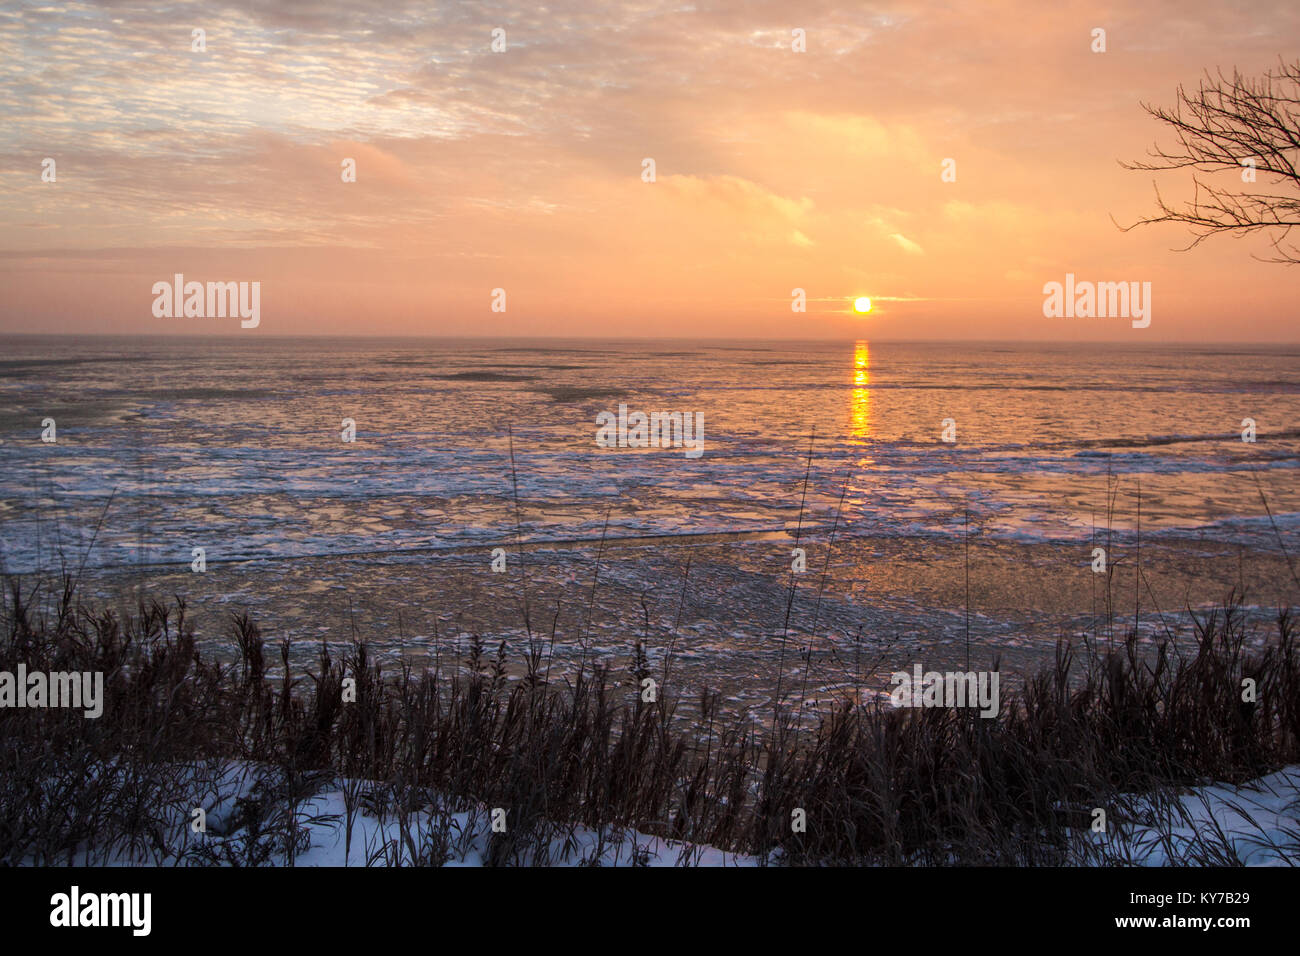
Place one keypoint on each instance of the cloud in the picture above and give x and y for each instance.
(907, 244)
(799, 169)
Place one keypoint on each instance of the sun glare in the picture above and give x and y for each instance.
(862, 304)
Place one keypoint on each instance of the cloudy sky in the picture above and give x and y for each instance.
(522, 170)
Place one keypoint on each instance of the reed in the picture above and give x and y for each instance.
(1106, 724)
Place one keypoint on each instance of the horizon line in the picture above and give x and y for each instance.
(408, 336)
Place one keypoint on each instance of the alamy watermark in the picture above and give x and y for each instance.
(947, 689)
(81, 690)
(1102, 300)
(656, 430)
(74, 909)
(216, 300)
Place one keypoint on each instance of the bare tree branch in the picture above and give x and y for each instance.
(1223, 127)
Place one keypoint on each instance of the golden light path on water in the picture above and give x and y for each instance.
(861, 401)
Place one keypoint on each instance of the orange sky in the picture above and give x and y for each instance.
(522, 170)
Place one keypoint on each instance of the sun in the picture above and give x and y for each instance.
(862, 304)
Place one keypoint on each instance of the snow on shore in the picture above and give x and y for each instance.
(469, 833)
(1256, 823)
(246, 821)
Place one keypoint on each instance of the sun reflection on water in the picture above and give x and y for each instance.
(860, 408)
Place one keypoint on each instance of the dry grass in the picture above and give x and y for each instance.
(878, 785)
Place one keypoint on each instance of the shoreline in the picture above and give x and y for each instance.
(865, 783)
